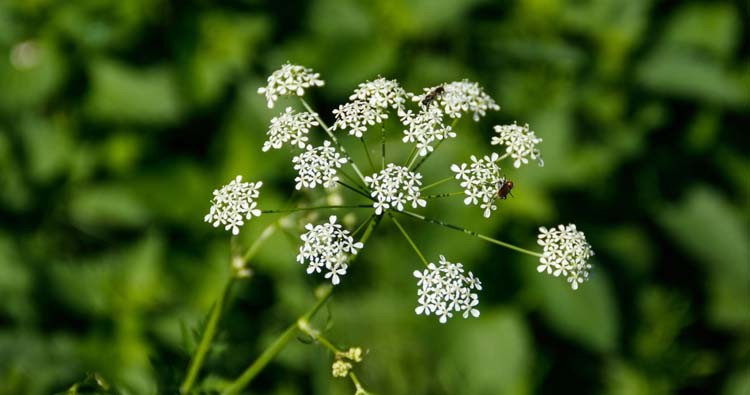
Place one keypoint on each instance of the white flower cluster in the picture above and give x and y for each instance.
(381, 93)
(445, 288)
(565, 252)
(461, 96)
(289, 127)
(480, 180)
(317, 166)
(232, 203)
(395, 186)
(290, 79)
(520, 143)
(425, 128)
(327, 246)
(356, 116)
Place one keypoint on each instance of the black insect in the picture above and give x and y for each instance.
(504, 189)
(432, 95)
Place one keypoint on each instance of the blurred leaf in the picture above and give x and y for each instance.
(16, 280)
(120, 93)
(30, 75)
(48, 145)
(689, 24)
(107, 205)
(709, 228)
(588, 315)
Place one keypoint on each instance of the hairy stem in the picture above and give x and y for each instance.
(442, 195)
(382, 146)
(436, 183)
(292, 210)
(354, 189)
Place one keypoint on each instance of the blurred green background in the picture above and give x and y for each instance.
(118, 119)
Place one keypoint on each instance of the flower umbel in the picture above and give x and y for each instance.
(480, 181)
(327, 246)
(317, 166)
(233, 203)
(445, 288)
(520, 143)
(395, 186)
(381, 93)
(289, 127)
(356, 116)
(462, 96)
(290, 79)
(425, 128)
(565, 252)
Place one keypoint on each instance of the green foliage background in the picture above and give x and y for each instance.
(118, 119)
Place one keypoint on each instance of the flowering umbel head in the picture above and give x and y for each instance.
(459, 97)
(480, 180)
(425, 128)
(520, 143)
(327, 246)
(381, 93)
(290, 79)
(317, 166)
(289, 127)
(444, 288)
(395, 186)
(356, 116)
(234, 203)
(565, 252)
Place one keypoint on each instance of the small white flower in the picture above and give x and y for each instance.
(459, 97)
(289, 127)
(327, 246)
(381, 93)
(566, 252)
(395, 186)
(356, 116)
(444, 289)
(290, 79)
(520, 143)
(480, 181)
(233, 203)
(425, 128)
(317, 166)
(340, 368)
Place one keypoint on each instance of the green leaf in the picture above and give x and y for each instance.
(107, 205)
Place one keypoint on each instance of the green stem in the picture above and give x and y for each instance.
(305, 327)
(292, 210)
(441, 195)
(362, 225)
(434, 184)
(406, 236)
(469, 232)
(411, 155)
(439, 143)
(333, 138)
(206, 338)
(367, 151)
(382, 146)
(257, 243)
(358, 191)
(259, 364)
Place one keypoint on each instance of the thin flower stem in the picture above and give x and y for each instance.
(360, 388)
(353, 180)
(436, 183)
(367, 151)
(333, 138)
(406, 236)
(382, 146)
(469, 232)
(258, 242)
(413, 159)
(292, 210)
(362, 225)
(259, 364)
(439, 143)
(442, 195)
(411, 155)
(205, 342)
(305, 327)
(358, 191)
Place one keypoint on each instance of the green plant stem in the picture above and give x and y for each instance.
(411, 155)
(439, 143)
(305, 327)
(292, 210)
(469, 232)
(382, 146)
(436, 183)
(334, 139)
(367, 151)
(406, 236)
(360, 388)
(269, 353)
(208, 334)
(442, 195)
(358, 191)
(362, 225)
(258, 242)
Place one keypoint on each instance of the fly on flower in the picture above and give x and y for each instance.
(504, 188)
(432, 95)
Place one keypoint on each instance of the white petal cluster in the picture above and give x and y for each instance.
(444, 288)
(425, 128)
(289, 127)
(480, 181)
(234, 203)
(395, 186)
(290, 79)
(520, 143)
(381, 93)
(566, 253)
(356, 116)
(328, 247)
(459, 97)
(317, 166)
